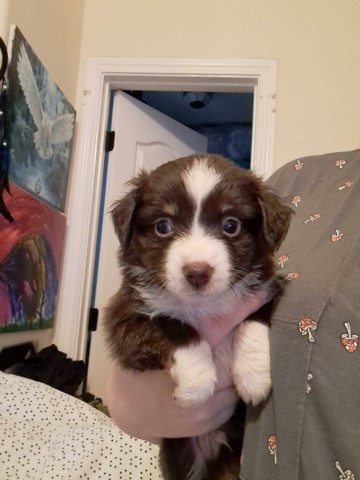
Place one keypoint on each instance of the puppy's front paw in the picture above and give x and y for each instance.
(194, 373)
(251, 362)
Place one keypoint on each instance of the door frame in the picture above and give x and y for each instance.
(104, 75)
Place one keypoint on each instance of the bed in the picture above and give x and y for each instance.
(47, 434)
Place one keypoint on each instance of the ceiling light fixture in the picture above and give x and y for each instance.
(197, 99)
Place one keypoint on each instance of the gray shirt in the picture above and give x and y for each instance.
(310, 426)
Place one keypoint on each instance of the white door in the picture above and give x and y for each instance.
(144, 138)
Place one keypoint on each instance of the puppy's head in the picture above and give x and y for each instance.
(197, 226)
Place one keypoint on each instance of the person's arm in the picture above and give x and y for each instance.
(141, 404)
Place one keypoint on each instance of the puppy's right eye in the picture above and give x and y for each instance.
(163, 227)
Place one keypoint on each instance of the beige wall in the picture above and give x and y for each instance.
(4, 9)
(54, 30)
(316, 43)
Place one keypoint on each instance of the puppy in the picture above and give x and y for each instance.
(196, 235)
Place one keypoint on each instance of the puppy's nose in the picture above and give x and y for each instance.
(198, 274)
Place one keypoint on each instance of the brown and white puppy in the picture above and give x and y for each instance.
(197, 235)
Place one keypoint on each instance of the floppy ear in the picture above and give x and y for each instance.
(122, 211)
(121, 214)
(276, 218)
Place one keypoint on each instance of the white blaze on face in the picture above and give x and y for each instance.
(200, 180)
(197, 246)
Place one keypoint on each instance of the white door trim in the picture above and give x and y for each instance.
(102, 76)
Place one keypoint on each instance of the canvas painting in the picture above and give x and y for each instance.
(41, 126)
(31, 249)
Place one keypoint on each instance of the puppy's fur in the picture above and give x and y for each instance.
(197, 234)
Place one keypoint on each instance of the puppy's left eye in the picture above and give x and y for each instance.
(163, 227)
(231, 226)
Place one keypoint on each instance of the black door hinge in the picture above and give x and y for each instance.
(93, 319)
(109, 141)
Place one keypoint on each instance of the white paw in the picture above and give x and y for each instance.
(251, 362)
(194, 373)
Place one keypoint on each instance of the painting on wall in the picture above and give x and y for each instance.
(40, 125)
(31, 250)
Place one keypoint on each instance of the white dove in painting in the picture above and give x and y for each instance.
(49, 131)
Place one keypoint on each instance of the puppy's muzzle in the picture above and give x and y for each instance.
(198, 274)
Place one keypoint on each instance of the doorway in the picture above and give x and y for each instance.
(150, 128)
(224, 118)
(103, 75)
